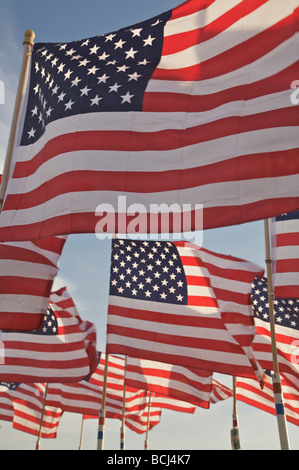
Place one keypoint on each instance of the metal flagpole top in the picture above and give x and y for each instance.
(29, 36)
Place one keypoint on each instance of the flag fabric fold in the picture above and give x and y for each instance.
(27, 272)
(62, 350)
(86, 396)
(285, 255)
(186, 384)
(28, 405)
(176, 303)
(191, 108)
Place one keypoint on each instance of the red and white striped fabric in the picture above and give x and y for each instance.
(27, 271)
(220, 392)
(213, 330)
(28, 402)
(6, 406)
(215, 126)
(85, 397)
(63, 350)
(164, 401)
(249, 391)
(285, 255)
(182, 383)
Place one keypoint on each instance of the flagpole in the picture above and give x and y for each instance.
(122, 430)
(235, 437)
(28, 43)
(102, 413)
(81, 433)
(42, 419)
(276, 381)
(148, 421)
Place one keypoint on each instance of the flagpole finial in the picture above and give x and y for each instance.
(29, 36)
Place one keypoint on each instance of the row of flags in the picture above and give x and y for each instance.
(165, 112)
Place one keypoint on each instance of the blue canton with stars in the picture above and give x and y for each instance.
(5, 386)
(286, 310)
(104, 73)
(50, 324)
(147, 270)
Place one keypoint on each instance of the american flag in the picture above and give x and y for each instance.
(163, 307)
(27, 271)
(6, 406)
(249, 391)
(85, 397)
(286, 328)
(27, 401)
(220, 392)
(183, 383)
(285, 255)
(165, 111)
(62, 350)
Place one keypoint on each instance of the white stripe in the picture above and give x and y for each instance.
(199, 18)
(179, 352)
(26, 269)
(171, 329)
(23, 303)
(288, 252)
(270, 64)
(287, 226)
(225, 194)
(247, 27)
(164, 308)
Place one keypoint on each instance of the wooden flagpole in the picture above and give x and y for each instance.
(81, 433)
(122, 429)
(235, 436)
(42, 419)
(102, 414)
(277, 389)
(28, 43)
(148, 421)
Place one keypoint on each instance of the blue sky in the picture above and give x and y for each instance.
(84, 265)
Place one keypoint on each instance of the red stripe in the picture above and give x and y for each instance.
(181, 41)
(20, 321)
(229, 369)
(26, 286)
(89, 222)
(236, 57)
(168, 102)
(167, 318)
(248, 167)
(287, 266)
(290, 292)
(287, 239)
(161, 140)
(22, 254)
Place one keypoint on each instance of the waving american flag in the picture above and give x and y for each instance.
(165, 111)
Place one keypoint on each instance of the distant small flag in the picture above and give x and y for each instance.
(220, 392)
(286, 328)
(285, 255)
